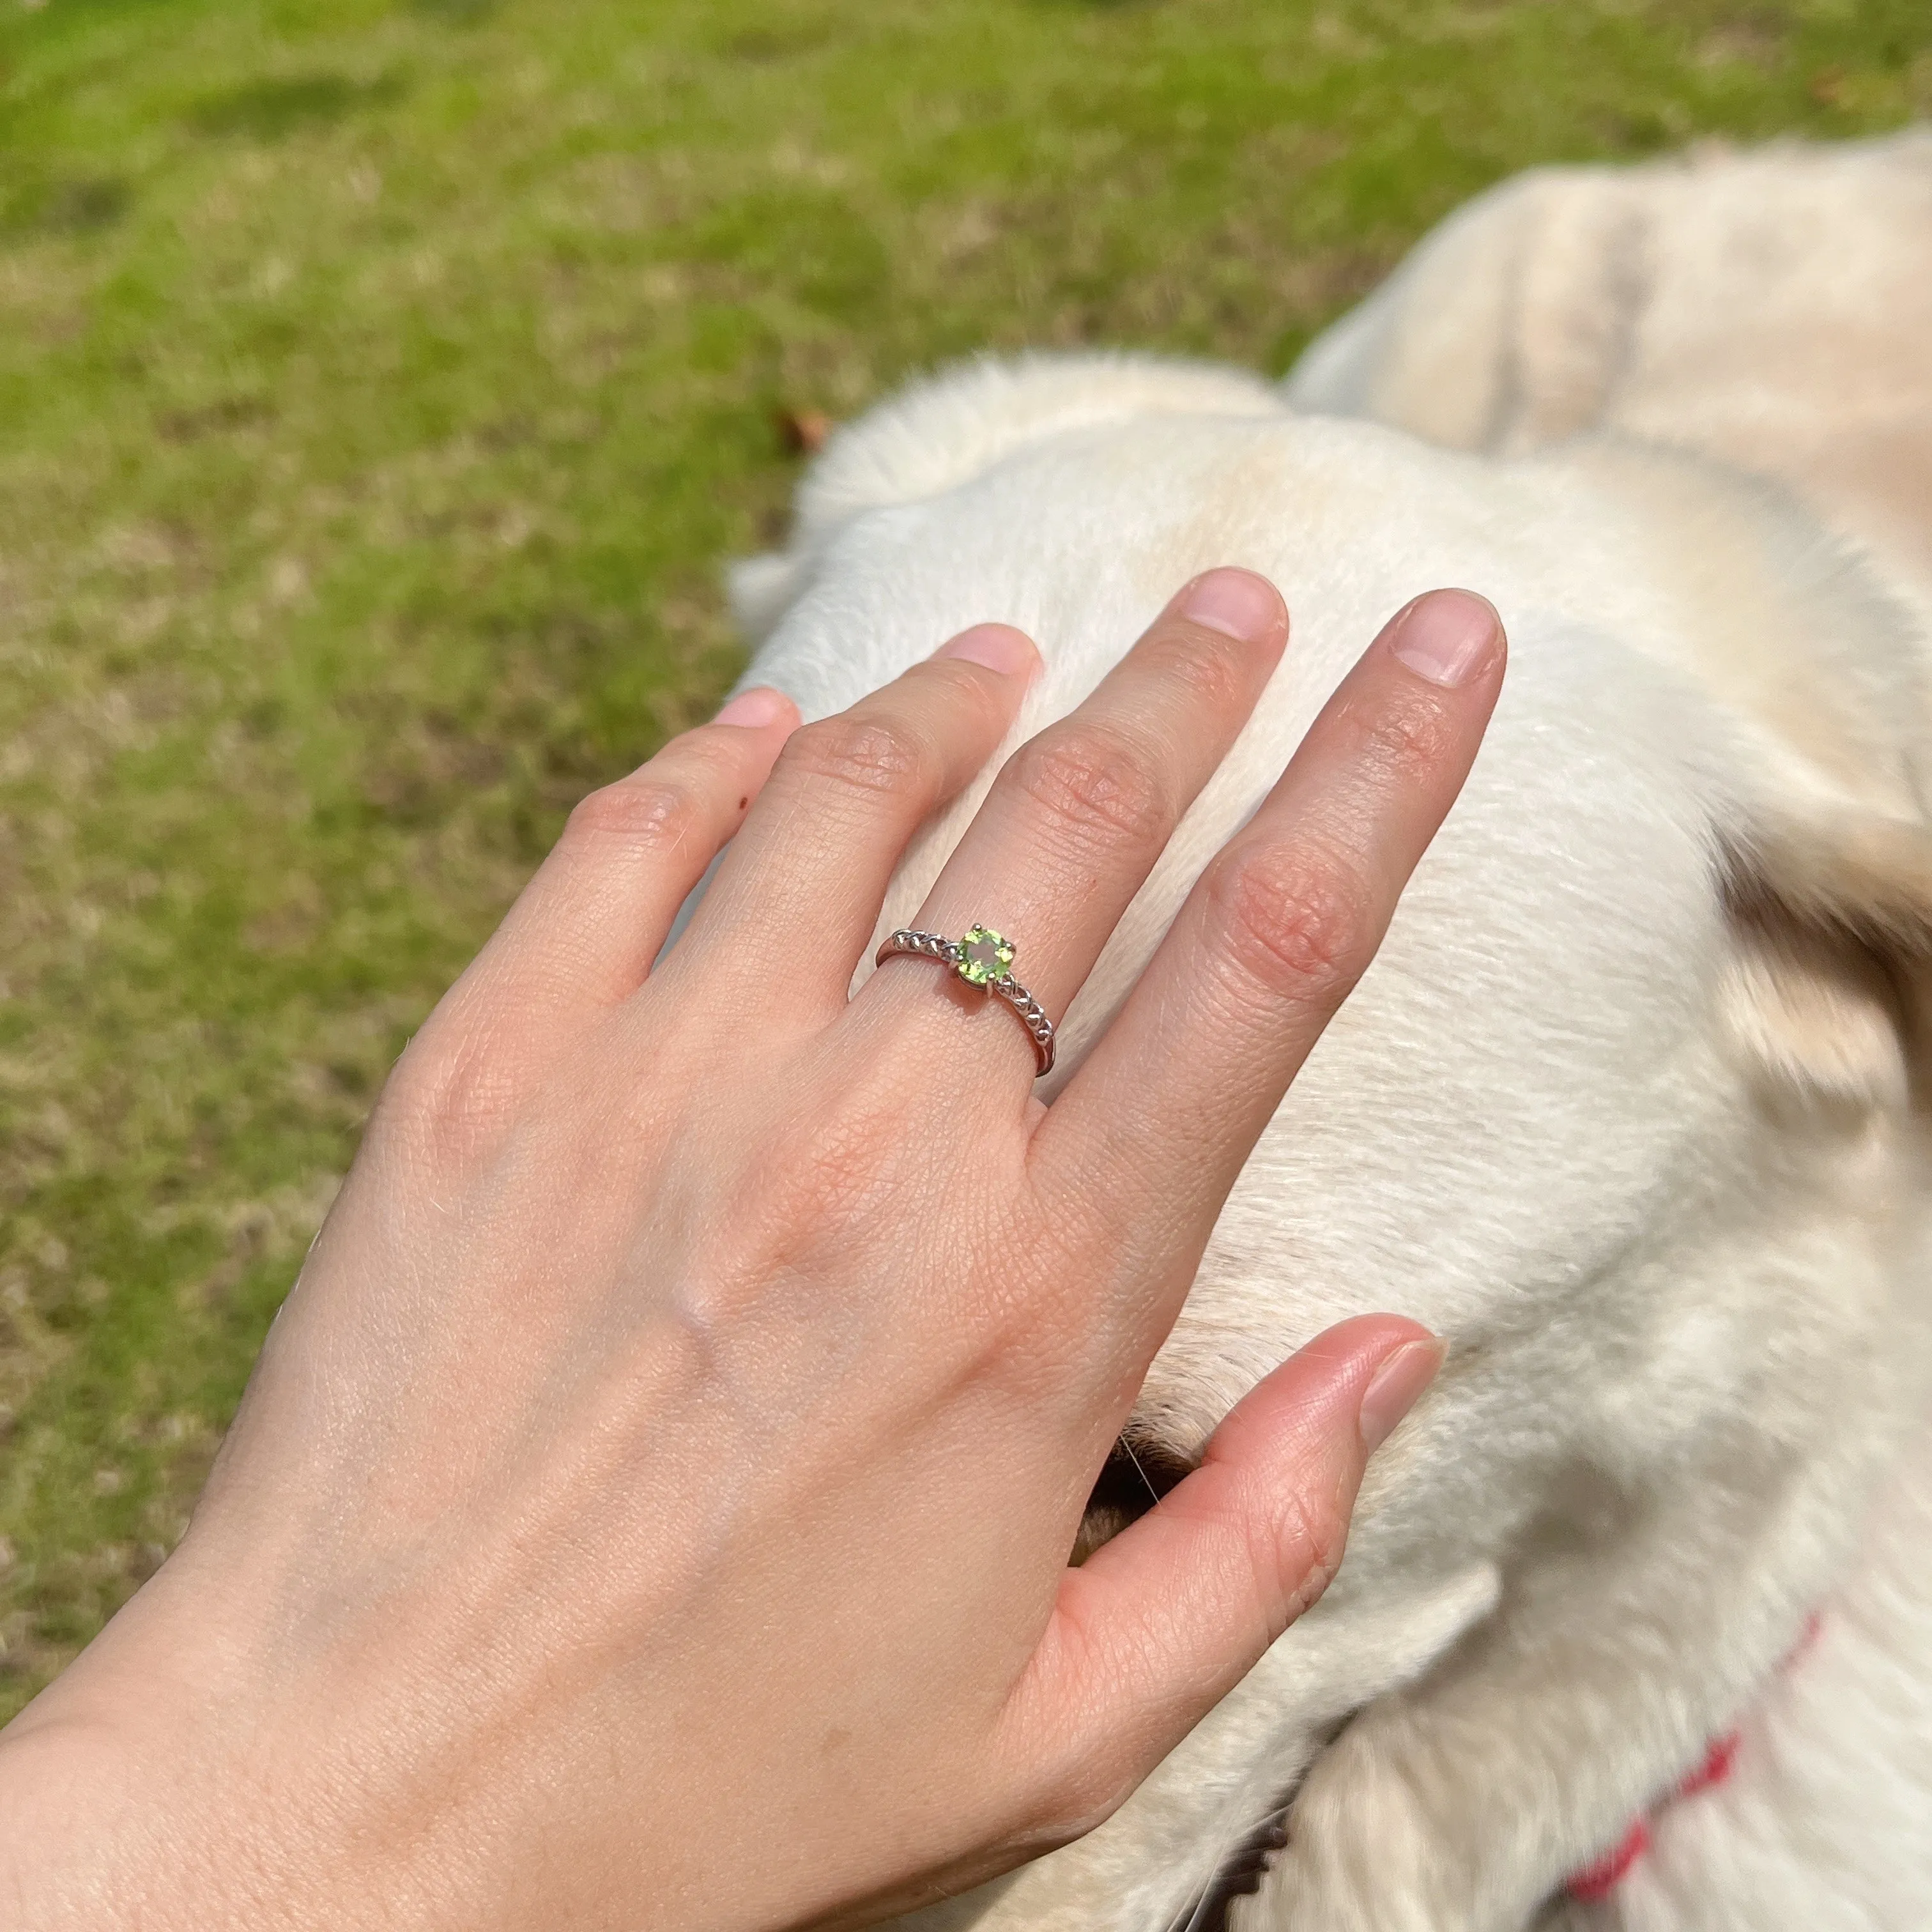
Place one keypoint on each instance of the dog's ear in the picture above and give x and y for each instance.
(937, 434)
(1502, 330)
(1830, 993)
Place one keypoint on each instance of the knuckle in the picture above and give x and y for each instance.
(1213, 672)
(1295, 920)
(453, 1089)
(655, 814)
(1409, 742)
(1087, 781)
(867, 755)
(964, 690)
(1301, 1550)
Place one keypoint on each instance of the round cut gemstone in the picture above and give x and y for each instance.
(983, 955)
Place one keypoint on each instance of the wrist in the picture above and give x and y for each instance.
(122, 1803)
(69, 1829)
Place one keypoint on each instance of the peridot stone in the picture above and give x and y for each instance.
(983, 955)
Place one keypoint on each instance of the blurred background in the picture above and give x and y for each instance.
(381, 386)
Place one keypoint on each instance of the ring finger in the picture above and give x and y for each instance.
(1077, 818)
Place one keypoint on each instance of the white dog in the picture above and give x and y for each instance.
(1631, 1108)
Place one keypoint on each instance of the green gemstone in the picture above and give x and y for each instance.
(983, 955)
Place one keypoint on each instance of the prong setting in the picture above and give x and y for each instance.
(982, 957)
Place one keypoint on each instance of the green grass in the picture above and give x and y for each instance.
(380, 389)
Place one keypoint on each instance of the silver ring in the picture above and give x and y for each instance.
(983, 958)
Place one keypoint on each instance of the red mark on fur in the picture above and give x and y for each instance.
(1600, 1879)
(1807, 1637)
(1716, 1767)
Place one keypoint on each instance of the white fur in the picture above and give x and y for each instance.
(1625, 1110)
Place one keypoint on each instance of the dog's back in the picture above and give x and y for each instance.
(1630, 1109)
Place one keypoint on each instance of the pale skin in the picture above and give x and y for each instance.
(651, 1508)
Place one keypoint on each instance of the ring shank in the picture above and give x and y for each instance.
(915, 944)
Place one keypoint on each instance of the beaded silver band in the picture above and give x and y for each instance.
(981, 959)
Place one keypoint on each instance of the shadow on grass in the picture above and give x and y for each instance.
(76, 206)
(270, 109)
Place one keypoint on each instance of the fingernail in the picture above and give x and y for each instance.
(1237, 603)
(1392, 1391)
(1448, 636)
(998, 647)
(760, 705)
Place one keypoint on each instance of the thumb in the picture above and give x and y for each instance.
(1159, 1624)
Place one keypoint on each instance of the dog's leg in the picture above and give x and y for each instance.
(1462, 1805)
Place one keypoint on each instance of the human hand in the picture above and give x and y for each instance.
(651, 1506)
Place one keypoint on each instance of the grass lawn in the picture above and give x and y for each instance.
(382, 385)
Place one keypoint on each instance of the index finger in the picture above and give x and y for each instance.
(1155, 1127)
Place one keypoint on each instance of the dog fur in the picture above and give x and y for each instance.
(1631, 1109)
